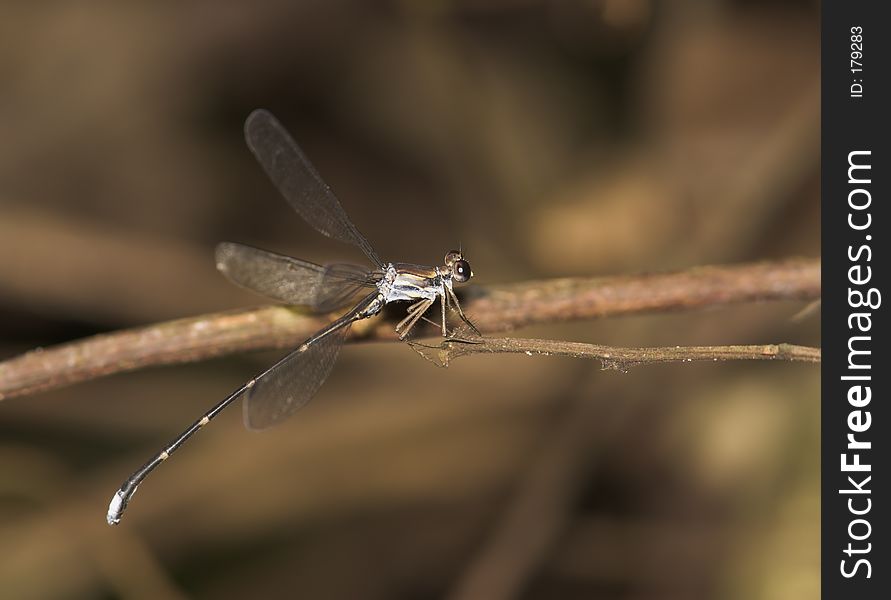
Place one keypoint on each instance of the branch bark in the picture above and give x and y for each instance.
(495, 308)
(611, 357)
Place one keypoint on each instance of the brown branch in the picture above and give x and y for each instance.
(611, 357)
(496, 308)
(511, 306)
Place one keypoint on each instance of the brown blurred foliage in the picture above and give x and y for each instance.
(547, 138)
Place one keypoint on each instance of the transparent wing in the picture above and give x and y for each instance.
(341, 284)
(293, 381)
(291, 280)
(299, 182)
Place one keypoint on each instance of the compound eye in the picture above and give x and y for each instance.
(452, 256)
(461, 271)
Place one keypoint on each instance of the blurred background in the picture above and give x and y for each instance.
(548, 138)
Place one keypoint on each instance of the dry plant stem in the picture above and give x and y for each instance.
(496, 308)
(620, 359)
(512, 306)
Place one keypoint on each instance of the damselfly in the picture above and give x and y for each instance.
(289, 384)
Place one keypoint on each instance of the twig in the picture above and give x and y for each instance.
(611, 357)
(496, 308)
(512, 306)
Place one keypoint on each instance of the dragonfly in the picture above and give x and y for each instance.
(293, 381)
